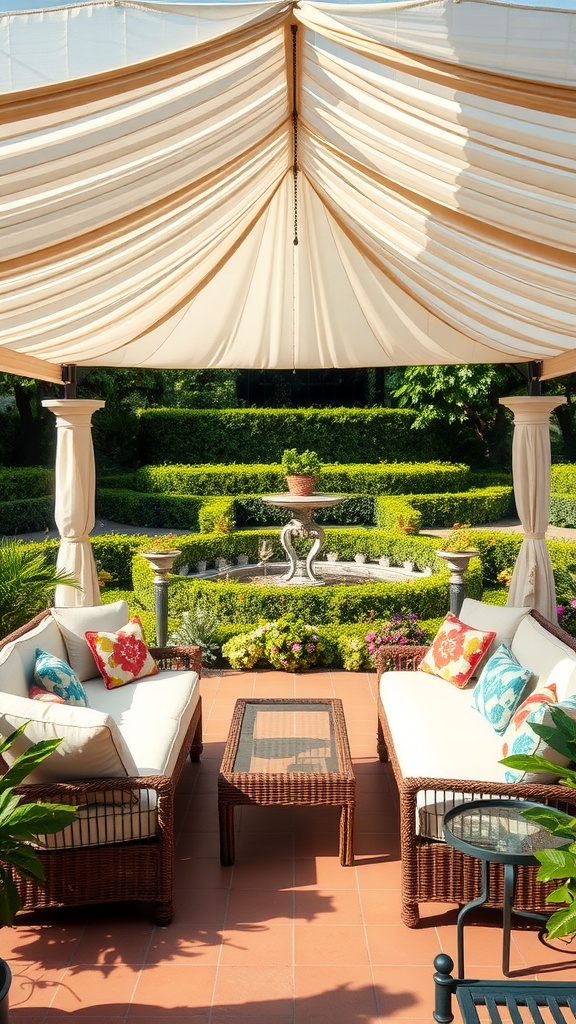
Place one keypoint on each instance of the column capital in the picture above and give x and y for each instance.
(73, 411)
(532, 408)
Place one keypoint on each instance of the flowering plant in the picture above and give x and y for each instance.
(505, 577)
(244, 651)
(567, 616)
(354, 654)
(291, 644)
(288, 643)
(401, 628)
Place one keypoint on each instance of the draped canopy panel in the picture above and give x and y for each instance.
(161, 160)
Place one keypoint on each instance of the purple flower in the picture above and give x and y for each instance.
(560, 610)
(297, 647)
(573, 602)
(310, 648)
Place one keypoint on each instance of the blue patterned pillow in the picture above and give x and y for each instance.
(499, 690)
(55, 675)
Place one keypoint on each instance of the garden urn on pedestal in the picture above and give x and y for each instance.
(161, 562)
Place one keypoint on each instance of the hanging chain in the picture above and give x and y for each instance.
(294, 29)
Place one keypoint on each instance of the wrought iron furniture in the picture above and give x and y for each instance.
(552, 996)
(287, 752)
(495, 832)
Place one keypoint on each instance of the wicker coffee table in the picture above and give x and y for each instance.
(287, 752)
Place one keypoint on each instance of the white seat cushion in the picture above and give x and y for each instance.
(92, 744)
(153, 715)
(437, 733)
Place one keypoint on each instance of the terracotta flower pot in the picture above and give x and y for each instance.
(301, 485)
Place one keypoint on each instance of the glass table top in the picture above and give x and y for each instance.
(498, 828)
(276, 738)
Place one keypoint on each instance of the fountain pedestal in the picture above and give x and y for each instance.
(302, 524)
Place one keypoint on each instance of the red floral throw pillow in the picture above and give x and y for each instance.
(123, 656)
(456, 651)
(40, 693)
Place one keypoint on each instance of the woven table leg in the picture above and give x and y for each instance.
(347, 835)
(227, 847)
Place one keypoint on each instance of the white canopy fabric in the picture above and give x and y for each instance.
(160, 159)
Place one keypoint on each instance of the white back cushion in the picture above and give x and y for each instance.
(74, 623)
(546, 655)
(501, 619)
(92, 746)
(18, 658)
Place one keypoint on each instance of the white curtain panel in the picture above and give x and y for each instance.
(75, 487)
(532, 582)
(147, 213)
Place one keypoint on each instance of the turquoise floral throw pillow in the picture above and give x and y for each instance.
(499, 689)
(56, 676)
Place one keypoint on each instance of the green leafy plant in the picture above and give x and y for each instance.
(198, 628)
(459, 538)
(558, 863)
(295, 463)
(354, 654)
(27, 583)
(160, 544)
(245, 650)
(21, 823)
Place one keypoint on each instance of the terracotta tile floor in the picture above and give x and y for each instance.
(287, 935)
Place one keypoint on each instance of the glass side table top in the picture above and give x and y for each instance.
(496, 830)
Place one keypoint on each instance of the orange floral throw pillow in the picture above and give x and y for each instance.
(456, 651)
(123, 656)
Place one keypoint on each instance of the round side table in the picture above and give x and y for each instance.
(496, 832)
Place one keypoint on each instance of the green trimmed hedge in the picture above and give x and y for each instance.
(563, 478)
(246, 602)
(26, 515)
(217, 515)
(478, 506)
(350, 478)
(181, 511)
(25, 483)
(563, 510)
(199, 436)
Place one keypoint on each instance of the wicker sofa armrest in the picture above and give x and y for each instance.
(180, 657)
(399, 657)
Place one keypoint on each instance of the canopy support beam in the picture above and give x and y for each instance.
(535, 377)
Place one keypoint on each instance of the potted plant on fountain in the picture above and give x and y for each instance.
(301, 470)
(21, 822)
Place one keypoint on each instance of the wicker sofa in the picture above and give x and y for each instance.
(120, 762)
(443, 752)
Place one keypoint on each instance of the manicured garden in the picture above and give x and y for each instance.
(221, 519)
